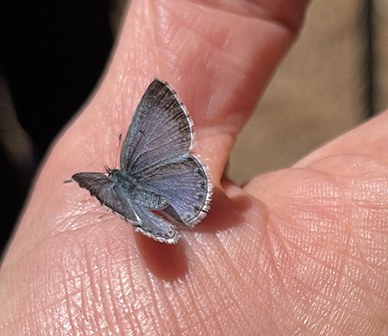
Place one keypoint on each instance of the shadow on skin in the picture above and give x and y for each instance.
(225, 212)
(170, 262)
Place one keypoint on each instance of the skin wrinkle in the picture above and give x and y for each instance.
(43, 310)
(161, 22)
(138, 315)
(93, 273)
(173, 311)
(79, 306)
(125, 305)
(137, 308)
(137, 304)
(159, 295)
(341, 314)
(246, 274)
(269, 293)
(360, 235)
(184, 314)
(149, 306)
(275, 258)
(33, 288)
(228, 17)
(299, 210)
(93, 303)
(348, 303)
(202, 294)
(129, 319)
(249, 271)
(195, 323)
(244, 9)
(114, 314)
(326, 284)
(46, 238)
(137, 327)
(169, 296)
(299, 309)
(356, 165)
(231, 295)
(277, 275)
(273, 309)
(118, 310)
(214, 307)
(236, 277)
(94, 306)
(72, 325)
(308, 307)
(177, 309)
(373, 299)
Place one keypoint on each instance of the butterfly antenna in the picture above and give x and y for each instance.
(117, 150)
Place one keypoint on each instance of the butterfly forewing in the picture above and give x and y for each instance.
(106, 191)
(160, 130)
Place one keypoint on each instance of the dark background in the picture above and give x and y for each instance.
(52, 54)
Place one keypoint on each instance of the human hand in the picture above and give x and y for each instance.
(298, 251)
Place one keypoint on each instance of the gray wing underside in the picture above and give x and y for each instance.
(154, 226)
(110, 195)
(185, 185)
(101, 187)
(161, 130)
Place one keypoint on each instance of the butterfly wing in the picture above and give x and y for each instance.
(161, 130)
(185, 185)
(110, 194)
(154, 226)
(103, 188)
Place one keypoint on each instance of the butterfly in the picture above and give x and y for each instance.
(160, 183)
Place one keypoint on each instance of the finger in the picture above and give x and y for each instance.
(369, 139)
(218, 70)
(365, 145)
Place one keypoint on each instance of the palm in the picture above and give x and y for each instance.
(298, 251)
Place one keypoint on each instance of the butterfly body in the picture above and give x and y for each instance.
(133, 190)
(159, 183)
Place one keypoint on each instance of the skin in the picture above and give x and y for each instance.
(301, 251)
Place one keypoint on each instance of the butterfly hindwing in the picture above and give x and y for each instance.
(111, 195)
(185, 185)
(154, 226)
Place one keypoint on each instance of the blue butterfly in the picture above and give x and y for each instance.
(159, 182)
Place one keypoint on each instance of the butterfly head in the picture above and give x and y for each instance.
(110, 171)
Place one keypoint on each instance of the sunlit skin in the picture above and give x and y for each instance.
(300, 251)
